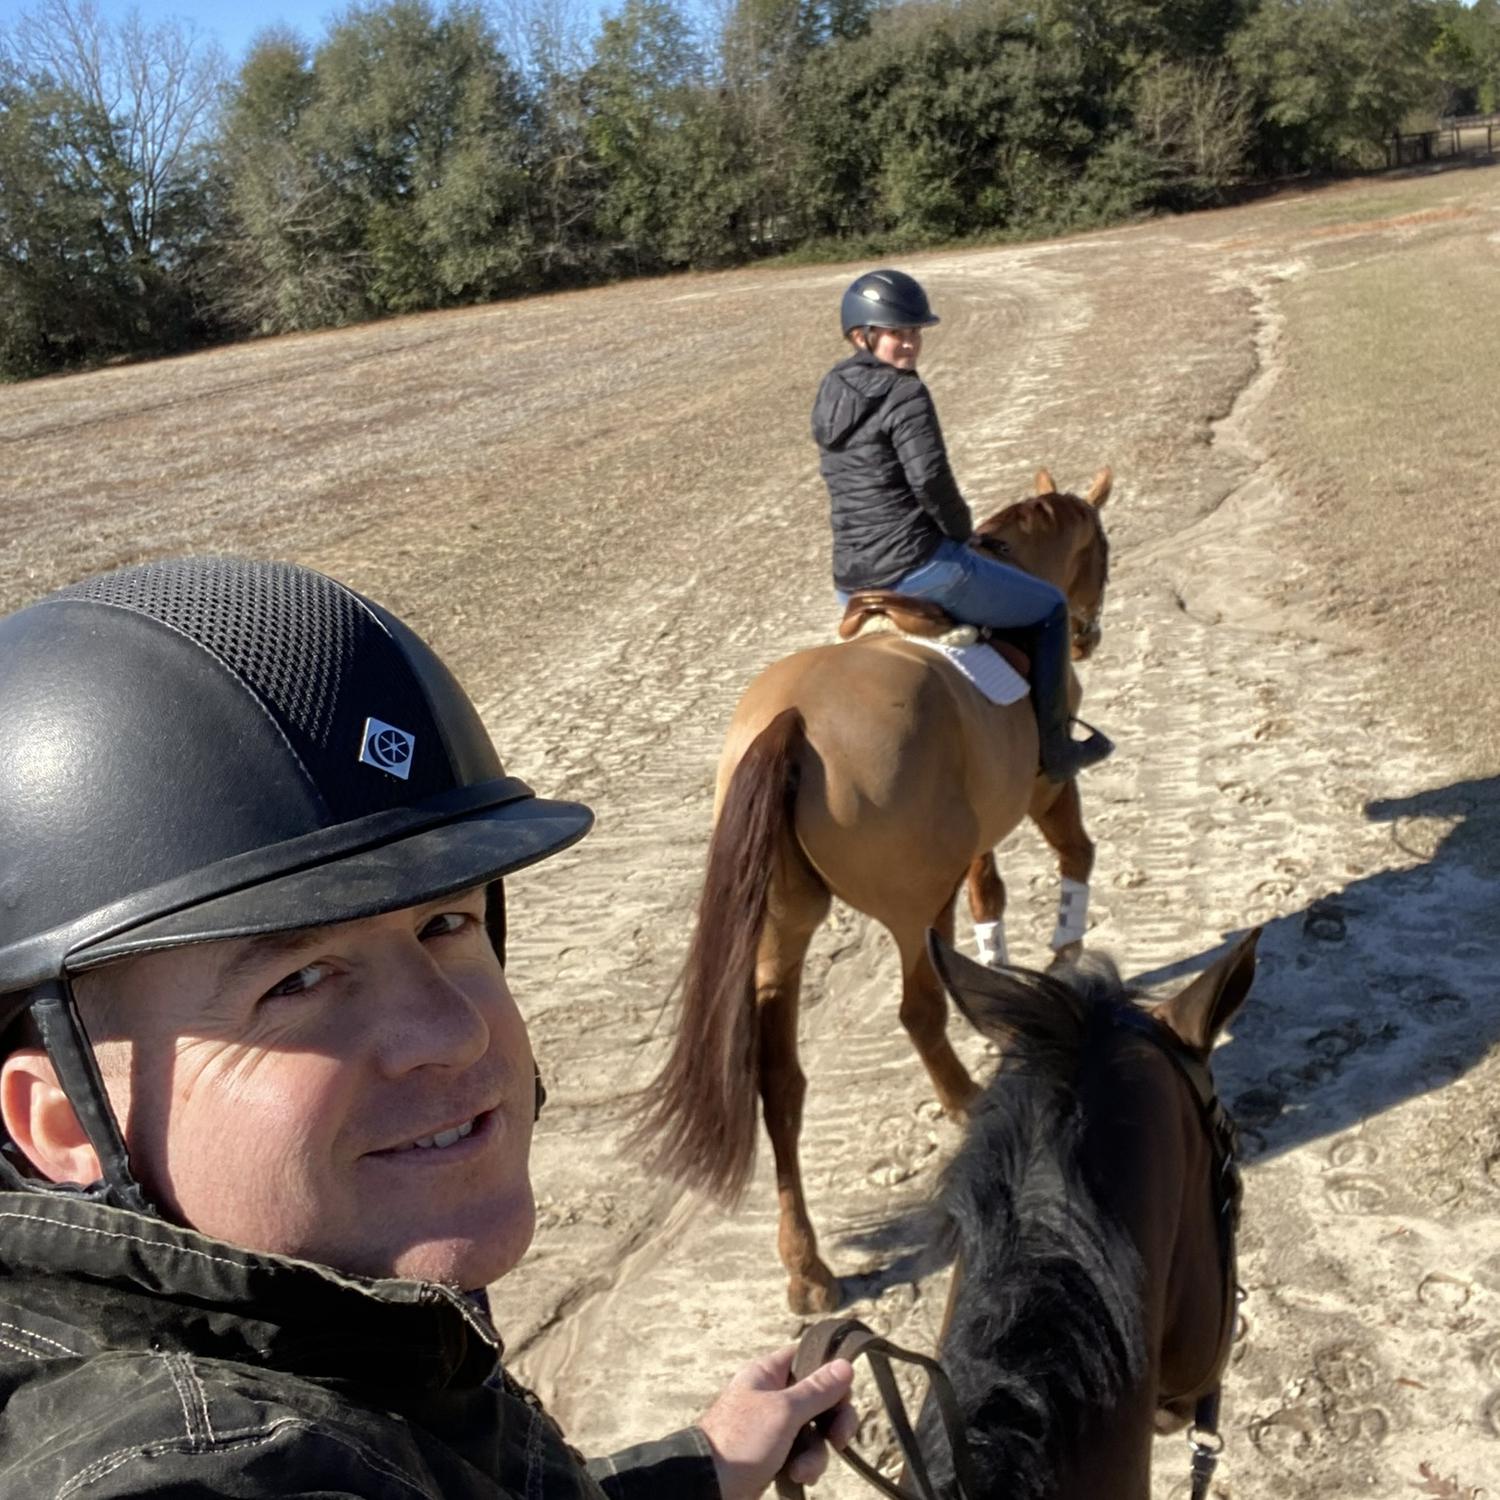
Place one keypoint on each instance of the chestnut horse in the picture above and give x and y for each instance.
(1092, 1212)
(875, 772)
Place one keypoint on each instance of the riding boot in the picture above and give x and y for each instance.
(1062, 756)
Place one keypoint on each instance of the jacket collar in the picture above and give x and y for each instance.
(124, 1279)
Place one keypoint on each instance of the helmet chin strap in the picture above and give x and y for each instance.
(68, 1047)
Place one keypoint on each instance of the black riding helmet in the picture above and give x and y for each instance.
(885, 299)
(212, 748)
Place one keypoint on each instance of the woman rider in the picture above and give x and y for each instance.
(899, 522)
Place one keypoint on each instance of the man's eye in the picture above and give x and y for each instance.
(300, 982)
(446, 923)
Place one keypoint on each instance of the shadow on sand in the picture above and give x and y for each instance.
(1368, 996)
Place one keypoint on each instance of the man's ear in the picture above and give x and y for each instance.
(40, 1120)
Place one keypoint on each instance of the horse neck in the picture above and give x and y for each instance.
(1045, 554)
(1046, 561)
(1155, 1181)
(1062, 1358)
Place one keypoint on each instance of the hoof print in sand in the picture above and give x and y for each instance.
(1437, 1007)
(1287, 1435)
(1326, 922)
(1442, 1291)
(1346, 1370)
(1351, 1152)
(1258, 1107)
(1489, 1413)
(1355, 1193)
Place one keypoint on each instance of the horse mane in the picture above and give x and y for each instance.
(1046, 513)
(1049, 1329)
(1035, 512)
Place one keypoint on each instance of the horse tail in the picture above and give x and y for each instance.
(698, 1125)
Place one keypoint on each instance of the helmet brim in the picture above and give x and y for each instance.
(407, 871)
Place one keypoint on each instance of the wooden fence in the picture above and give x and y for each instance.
(1470, 136)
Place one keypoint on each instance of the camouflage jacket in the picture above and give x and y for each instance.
(139, 1359)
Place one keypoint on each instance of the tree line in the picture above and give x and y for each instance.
(428, 153)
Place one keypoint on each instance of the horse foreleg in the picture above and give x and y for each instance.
(812, 1287)
(1060, 818)
(987, 907)
(924, 1013)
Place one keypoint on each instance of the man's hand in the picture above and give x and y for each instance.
(752, 1426)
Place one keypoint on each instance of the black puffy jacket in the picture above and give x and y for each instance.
(893, 494)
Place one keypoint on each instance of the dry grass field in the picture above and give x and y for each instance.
(604, 509)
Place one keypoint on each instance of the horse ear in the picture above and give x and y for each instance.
(1044, 484)
(1100, 488)
(1200, 1012)
(1001, 1004)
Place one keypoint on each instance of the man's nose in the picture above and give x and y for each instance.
(430, 1019)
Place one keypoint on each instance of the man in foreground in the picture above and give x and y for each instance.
(267, 1099)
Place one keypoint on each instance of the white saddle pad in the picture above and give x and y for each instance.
(985, 668)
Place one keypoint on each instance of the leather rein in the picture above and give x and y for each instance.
(1227, 1186)
(848, 1338)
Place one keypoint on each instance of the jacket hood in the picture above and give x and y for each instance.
(850, 391)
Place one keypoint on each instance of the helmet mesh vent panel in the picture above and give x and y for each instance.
(288, 634)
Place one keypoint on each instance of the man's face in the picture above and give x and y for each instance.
(304, 1094)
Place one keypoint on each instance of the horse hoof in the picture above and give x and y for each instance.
(1069, 953)
(818, 1293)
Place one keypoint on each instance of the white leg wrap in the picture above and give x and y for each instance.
(989, 940)
(1072, 914)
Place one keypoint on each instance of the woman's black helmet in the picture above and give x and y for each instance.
(886, 299)
(212, 748)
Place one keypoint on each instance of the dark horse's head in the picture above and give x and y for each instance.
(1060, 537)
(1092, 1219)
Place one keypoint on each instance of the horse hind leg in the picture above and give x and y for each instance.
(924, 1014)
(800, 903)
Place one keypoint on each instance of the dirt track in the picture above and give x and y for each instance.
(605, 509)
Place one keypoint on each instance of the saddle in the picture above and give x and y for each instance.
(880, 609)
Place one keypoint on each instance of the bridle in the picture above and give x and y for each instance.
(850, 1339)
(1227, 1187)
(1086, 629)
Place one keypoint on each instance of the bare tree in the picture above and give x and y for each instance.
(1197, 120)
(545, 39)
(148, 92)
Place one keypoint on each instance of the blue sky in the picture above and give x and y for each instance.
(233, 23)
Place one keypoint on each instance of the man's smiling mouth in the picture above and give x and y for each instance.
(443, 1140)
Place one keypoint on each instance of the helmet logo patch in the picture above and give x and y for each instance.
(387, 748)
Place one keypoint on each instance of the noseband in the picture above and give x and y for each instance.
(1227, 1188)
(1086, 628)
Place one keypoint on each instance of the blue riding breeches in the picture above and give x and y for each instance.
(980, 591)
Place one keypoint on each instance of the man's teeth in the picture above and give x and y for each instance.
(443, 1138)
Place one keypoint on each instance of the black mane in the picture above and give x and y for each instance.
(1049, 1329)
